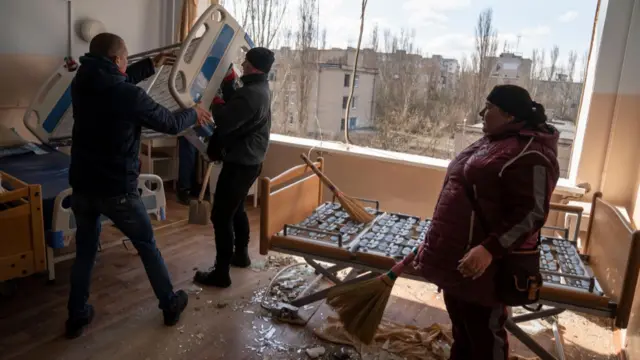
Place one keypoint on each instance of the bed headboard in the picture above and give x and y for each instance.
(288, 198)
(613, 247)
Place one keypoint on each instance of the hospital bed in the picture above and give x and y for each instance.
(599, 279)
(20, 219)
(195, 77)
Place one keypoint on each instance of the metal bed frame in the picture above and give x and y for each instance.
(273, 238)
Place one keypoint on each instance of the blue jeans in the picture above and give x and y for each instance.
(187, 156)
(130, 216)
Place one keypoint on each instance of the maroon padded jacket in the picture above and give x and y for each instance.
(512, 175)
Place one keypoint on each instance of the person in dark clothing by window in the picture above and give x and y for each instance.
(243, 126)
(188, 154)
(494, 201)
(109, 111)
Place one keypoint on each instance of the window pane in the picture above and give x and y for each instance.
(421, 81)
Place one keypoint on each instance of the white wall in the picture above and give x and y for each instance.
(34, 33)
(39, 27)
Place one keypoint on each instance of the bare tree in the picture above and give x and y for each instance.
(486, 44)
(283, 87)
(354, 72)
(569, 91)
(555, 53)
(306, 64)
(409, 116)
(373, 41)
(584, 62)
(537, 72)
(323, 37)
(241, 11)
(261, 18)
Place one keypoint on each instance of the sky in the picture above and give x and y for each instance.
(446, 27)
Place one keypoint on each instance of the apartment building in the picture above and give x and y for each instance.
(560, 96)
(510, 68)
(311, 100)
(447, 70)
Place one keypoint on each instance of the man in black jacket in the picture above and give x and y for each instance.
(241, 139)
(109, 111)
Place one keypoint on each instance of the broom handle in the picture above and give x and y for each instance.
(205, 183)
(398, 268)
(320, 174)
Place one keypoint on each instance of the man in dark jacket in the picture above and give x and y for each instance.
(109, 111)
(243, 125)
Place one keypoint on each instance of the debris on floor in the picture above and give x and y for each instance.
(396, 341)
(404, 341)
(221, 305)
(194, 289)
(266, 340)
(273, 262)
(315, 352)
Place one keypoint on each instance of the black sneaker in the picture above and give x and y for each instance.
(172, 316)
(241, 258)
(75, 326)
(216, 277)
(183, 197)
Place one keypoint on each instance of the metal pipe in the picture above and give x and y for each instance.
(173, 21)
(154, 51)
(558, 341)
(536, 315)
(524, 338)
(69, 30)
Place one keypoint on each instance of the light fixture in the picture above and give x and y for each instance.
(90, 28)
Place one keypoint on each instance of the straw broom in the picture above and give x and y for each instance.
(361, 305)
(355, 210)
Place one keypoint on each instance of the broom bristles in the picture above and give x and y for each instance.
(355, 210)
(361, 306)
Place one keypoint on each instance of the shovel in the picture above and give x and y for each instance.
(200, 210)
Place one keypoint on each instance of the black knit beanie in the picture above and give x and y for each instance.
(517, 102)
(261, 58)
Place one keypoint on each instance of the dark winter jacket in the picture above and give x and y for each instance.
(512, 176)
(109, 111)
(243, 123)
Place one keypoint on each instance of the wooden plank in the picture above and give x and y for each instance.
(37, 229)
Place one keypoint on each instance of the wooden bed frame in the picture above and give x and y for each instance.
(22, 243)
(283, 201)
(612, 247)
(611, 250)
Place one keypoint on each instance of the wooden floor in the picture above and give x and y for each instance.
(218, 324)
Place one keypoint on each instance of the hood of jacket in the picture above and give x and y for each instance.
(544, 134)
(97, 73)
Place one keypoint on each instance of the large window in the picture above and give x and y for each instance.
(424, 69)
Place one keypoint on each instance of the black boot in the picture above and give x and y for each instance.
(218, 277)
(178, 304)
(75, 325)
(241, 258)
(183, 197)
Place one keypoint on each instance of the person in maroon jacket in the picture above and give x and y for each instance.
(511, 173)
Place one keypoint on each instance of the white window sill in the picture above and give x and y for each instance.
(563, 186)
